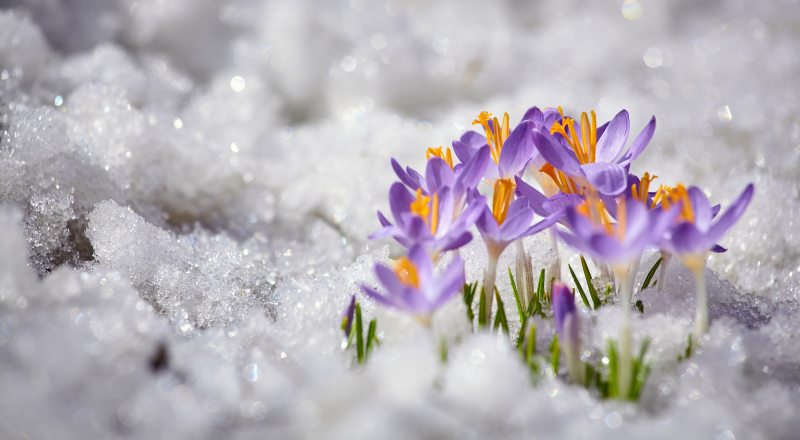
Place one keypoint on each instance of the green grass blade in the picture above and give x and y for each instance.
(500, 319)
(592, 290)
(359, 336)
(530, 344)
(639, 306)
(371, 336)
(650, 274)
(580, 289)
(613, 386)
(482, 319)
(555, 354)
(469, 299)
(540, 288)
(517, 299)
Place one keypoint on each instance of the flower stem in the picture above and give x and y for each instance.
(520, 273)
(701, 312)
(625, 367)
(489, 278)
(662, 275)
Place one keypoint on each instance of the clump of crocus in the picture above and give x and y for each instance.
(696, 233)
(568, 328)
(411, 285)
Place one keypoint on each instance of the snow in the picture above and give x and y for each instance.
(186, 190)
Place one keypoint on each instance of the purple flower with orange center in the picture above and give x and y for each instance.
(619, 243)
(505, 222)
(580, 155)
(510, 150)
(427, 219)
(440, 172)
(411, 285)
(695, 234)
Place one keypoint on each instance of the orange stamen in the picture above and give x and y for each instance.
(407, 272)
(501, 199)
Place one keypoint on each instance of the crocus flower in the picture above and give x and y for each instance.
(427, 219)
(568, 329)
(581, 155)
(696, 233)
(502, 224)
(347, 317)
(440, 173)
(510, 150)
(411, 286)
(620, 244)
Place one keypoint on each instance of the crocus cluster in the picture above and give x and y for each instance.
(550, 171)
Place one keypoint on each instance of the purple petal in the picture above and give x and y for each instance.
(533, 114)
(555, 153)
(640, 143)
(487, 225)
(474, 169)
(516, 224)
(455, 241)
(438, 174)
(717, 249)
(701, 208)
(399, 201)
(535, 199)
(404, 176)
(609, 179)
(385, 300)
(451, 283)
(383, 220)
(560, 202)
(608, 249)
(731, 215)
(542, 225)
(517, 150)
(612, 141)
(422, 260)
(687, 239)
(388, 279)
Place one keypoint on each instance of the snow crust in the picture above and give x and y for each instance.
(186, 188)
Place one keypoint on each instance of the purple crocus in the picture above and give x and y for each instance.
(591, 156)
(502, 224)
(696, 233)
(427, 219)
(568, 329)
(510, 150)
(412, 287)
(619, 244)
(440, 173)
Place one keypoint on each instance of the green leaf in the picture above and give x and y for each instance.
(555, 354)
(650, 274)
(687, 352)
(443, 350)
(540, 288)
(613, 386)
(371, 336)
(482, 319)
(592, 290)
(359, 336)
(500, 318)
(520, 310)
(639, 306)
(530, 344)
(580, 289)
(469, 299)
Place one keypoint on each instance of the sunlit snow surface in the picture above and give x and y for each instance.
(187, 187)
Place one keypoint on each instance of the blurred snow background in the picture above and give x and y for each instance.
(187, 186)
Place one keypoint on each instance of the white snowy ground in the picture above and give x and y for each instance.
(187, 186)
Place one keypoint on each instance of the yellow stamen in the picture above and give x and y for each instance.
(621, 219)
(496, 133)
(669, 197)
(442, 153)
(585, 146)
(427, 208)
(406, 272)
(501, 199)
(641, 191)
(594, 209)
